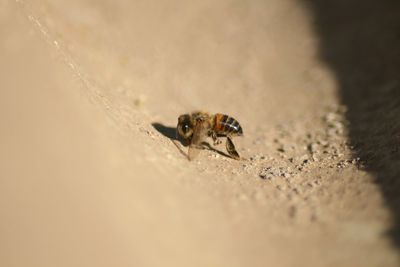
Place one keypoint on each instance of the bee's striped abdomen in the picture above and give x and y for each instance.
(227, 125)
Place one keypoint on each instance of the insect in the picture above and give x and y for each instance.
(194, 128)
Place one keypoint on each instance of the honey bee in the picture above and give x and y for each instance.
(194, 128)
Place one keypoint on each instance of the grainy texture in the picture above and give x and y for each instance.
(91, 173)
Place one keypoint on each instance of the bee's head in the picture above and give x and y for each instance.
(185, 127)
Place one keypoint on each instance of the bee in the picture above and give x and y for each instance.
(194, 128)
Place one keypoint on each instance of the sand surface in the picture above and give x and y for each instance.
(90, 173)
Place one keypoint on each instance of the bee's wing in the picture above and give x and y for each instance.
(199, 135)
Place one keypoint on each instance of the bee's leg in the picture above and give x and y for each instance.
(230, 147)
(215, 138)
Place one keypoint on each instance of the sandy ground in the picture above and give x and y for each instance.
(90, 173)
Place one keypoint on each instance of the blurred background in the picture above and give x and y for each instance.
(90, 174)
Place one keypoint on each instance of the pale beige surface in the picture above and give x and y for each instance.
(86, 180)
